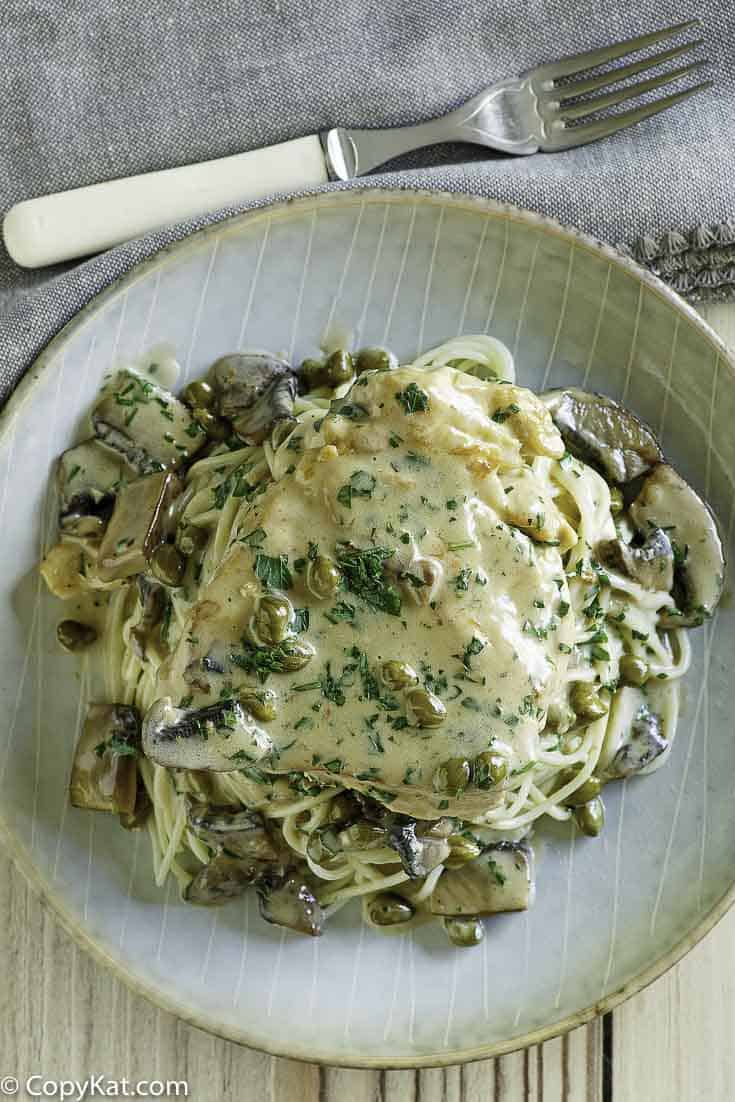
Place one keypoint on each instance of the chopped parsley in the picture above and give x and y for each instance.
(349, 410)
(273, 571)
(116, 745)
(503, 414)
(341, 611)
(497, 873)
(413, 399)
(473, 648)
(361, 484)
(235, 485)
(260, 660)
(362, 570)
(254, 538)
(461, 582)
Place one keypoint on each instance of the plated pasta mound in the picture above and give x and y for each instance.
(364, 624)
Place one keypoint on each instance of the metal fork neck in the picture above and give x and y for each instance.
(503, 118)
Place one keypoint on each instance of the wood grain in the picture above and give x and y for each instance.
(64, 1016)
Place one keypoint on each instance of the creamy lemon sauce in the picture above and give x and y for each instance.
(447, 476)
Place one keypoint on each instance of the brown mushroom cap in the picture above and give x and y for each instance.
(601, 432)
(104, 772)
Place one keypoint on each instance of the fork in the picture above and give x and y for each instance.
(547, 109)
(533, 112)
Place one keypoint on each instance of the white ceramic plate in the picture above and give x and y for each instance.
(409, 270)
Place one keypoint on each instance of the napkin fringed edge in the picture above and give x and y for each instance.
(698, 263)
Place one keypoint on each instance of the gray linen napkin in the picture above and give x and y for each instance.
(94, 89)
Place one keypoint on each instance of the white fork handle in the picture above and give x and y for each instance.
(86, 220)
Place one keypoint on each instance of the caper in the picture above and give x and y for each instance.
(617, 502)
(75, 636)
(464, 932)
(168, 564)
(338, 368)
(453, 776)
(425, 709)
(272, 619)
(216, 428)
(633, 671)
(388, 909)
(490, 769)
(398, 675)
(587, 703)
(295, 654)
(560, 717)
(261, 703)
(462, 850)
(590, 817)
(375, 359)
(199, 394)
(588, 790)
(323, 577)
(311, 374)
(191, 538)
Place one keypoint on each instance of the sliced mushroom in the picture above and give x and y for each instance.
(138, 817)
(324, 846)
(137, 527)
(219, 738)
(363, 835)
(255, 391)
(146, 638)
(635, 736)
(146, 424)
(104, 772)
(667, 501)
(290, 902)
(88, 477)
(500, 879)
(419, 853)
(64, 570)
(651, 564)
(222, 879)
(599, 431)
(237, 832)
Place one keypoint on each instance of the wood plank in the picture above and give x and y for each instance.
(674, 1040)
(63, 1013)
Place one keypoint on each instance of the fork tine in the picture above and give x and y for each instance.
(591, 131)
(591, 58)
(612, 99)
(604, 80)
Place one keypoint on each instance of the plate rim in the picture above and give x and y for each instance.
(23, 392)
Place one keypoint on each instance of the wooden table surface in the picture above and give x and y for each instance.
(65, 1017)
